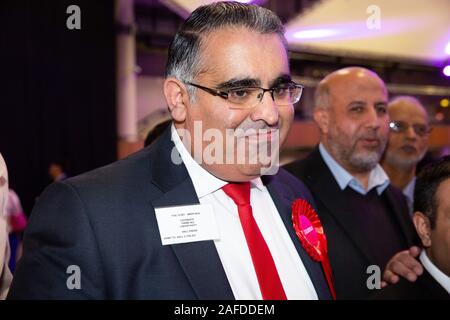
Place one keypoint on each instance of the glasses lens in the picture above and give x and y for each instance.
(420, 129)
(399, 126)
(244, 96)
(249, 97)
(287, 95)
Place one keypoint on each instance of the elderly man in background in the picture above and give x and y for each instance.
(408, 143)
(5, 274)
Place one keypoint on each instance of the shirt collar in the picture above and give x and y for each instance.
(437, 274)
(204, 182)
(408, 192)
(377, 179)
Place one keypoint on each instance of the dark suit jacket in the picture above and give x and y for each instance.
(104, 222)
(425, 288)
(348, 249)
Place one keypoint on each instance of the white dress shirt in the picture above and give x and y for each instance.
(437, 274)
(232, 246)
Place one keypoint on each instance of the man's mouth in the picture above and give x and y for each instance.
(370, 142)
(409, 149)
(259, 135)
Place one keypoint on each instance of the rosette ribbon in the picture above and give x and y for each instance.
(310, 232)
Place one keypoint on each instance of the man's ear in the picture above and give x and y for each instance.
(176, 98)
(322, 118)
(423, 228)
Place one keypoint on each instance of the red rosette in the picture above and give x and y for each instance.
(310, 232)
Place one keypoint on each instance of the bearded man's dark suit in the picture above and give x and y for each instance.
(349, 250)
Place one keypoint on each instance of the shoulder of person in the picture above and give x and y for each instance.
(291, 186)
(396, 192)
(300, 168)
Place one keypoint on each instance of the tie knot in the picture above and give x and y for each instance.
(239, 192)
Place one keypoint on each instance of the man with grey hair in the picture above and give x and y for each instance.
(408, 143)
(168, 223)
(365, 219)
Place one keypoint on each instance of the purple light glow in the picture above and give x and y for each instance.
(446, 70)
(351, 30)
(244, 1)
(447, 48)
(315, 33)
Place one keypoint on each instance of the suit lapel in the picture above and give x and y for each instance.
(401, 216)
(283, 202)
(199, 260)
(436, 290)
(322, 181)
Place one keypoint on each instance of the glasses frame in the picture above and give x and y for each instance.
(394, 124)
(224, 94)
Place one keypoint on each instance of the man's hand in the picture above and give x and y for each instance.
(403, 264)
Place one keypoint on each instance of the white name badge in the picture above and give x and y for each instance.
(182, 224)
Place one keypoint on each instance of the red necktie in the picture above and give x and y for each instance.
(266, 271)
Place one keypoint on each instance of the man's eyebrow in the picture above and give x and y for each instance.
(237, 83)
(250, 82)
(356, 102)
(284, 78)
(378, 103)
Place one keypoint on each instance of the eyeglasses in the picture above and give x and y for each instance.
(248, 97)
(402, 126)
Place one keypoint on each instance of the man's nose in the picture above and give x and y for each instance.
(266, 110)
(410, 133)
(373, 119)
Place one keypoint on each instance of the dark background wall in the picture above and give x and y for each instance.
(57, 90)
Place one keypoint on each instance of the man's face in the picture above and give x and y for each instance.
(439, 252)
(357, 129)
(237, 58)
(406, 149)
(54, 170)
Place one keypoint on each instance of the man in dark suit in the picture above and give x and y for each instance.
(365, 219)
(432, 221)
(187, 218)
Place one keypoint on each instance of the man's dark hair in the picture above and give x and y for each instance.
(428, 182)
(60, 162)
(184, 57)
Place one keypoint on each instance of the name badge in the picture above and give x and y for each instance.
(183, 224)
